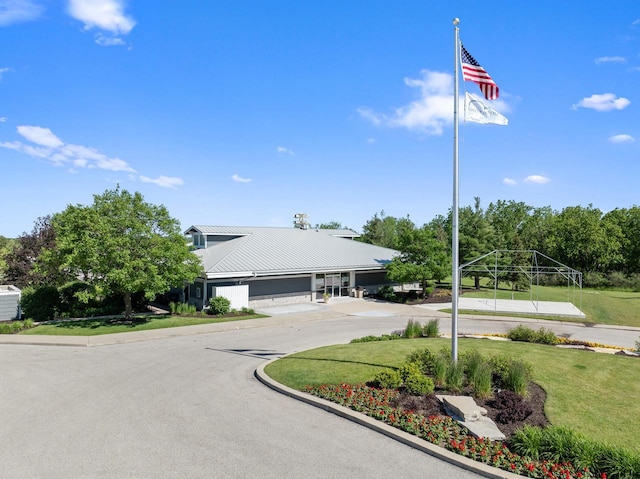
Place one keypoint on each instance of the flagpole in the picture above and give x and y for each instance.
(454, 212)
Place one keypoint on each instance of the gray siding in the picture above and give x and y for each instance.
(9, 303)
(372, 278)
(195, 298)
(213, 240)
(279, 286)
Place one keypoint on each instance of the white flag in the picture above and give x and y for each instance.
(478, 112)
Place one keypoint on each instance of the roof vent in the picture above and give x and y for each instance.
(300, 221)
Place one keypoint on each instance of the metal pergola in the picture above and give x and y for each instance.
(498, 263)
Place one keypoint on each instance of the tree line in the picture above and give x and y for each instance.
(605, 247)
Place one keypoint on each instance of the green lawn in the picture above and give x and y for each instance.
(620, 308)
(97, 326)
(593, 393)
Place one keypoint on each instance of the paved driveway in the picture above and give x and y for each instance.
(187, 407)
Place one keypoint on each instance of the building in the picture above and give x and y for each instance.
(263, 266)
(9, 303)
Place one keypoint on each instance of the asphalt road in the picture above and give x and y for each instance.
(190, 407)
(187, 407)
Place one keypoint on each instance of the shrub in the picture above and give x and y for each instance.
(482, 381)
(17, 326)
(431, 329)
(388, 378)
(517, 377)
(40, 303)
(541, 336)
(638, 346)
(412, 330)
(454, 377)
(246, 310)
(425, 358)
(520, 333)
(28, 323)
(594, 280)
(219, 305)
(387, 293)
(5, 328)
(440, 368)
(182, 308)
(471, 361)
(419, 384)
(501, 364)
(512, 408)
(414, 381)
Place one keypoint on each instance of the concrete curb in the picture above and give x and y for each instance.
(400, 436)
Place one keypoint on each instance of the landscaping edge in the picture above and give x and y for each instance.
(396, 434)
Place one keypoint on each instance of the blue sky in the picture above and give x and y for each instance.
(247, 112)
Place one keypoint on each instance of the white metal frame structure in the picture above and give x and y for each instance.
(540, 264)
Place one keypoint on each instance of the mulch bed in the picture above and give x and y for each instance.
(430, 406)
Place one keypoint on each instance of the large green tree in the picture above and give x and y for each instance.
(123, 245)
(23, 261)
(476, 236)
(581, 239)
(383, 230)
(628, 221)
(422, 258)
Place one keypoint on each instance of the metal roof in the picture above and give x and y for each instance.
(265, 251)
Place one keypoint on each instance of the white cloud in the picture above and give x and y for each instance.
(3, 70)
(240, 179)
(105, 41)
(429, 113)
(163, 181)
(604, 102)
(17, 11)
(600, 60)
(636, 22)
(622, 139)
(40, 136)
(371, 141)
(46, 145)
(510, 182)
(370, 115)
(285, 151)
(103, 14)
(3, 119)
(537, 179)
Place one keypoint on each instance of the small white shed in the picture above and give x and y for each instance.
(9, 302)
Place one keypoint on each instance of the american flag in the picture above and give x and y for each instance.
(472, 71)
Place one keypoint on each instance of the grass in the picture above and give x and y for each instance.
(613, 307)
(98, 326)
(589, 392)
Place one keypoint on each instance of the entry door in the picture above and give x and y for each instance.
(332, 284)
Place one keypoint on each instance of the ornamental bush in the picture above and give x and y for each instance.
(219, 306)
(512, 408)
(431, 329)
(388, 379)
(419, 384)
(40, 303)
(413, 329)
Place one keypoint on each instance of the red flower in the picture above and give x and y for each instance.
(603, 475)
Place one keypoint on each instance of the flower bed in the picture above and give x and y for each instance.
(443, 431)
